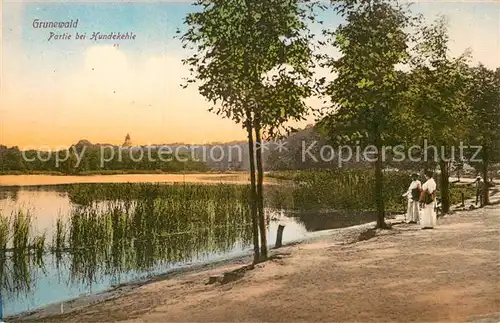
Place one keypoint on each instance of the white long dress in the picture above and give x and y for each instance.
(412, 212)
(429, 217)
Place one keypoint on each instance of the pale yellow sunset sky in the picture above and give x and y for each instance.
(57, 92)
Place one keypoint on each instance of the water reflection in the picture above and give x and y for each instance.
(112, 240)
(318, 221)
(11, 193)
(18, 274)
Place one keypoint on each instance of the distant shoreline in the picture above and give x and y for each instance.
(27, 180)
(113, 172)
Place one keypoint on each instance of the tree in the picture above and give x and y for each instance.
(368, 88)
(12, 159)
(484, 98)
(286, 53)
(438, 83)
(219, 35)
(236, 44)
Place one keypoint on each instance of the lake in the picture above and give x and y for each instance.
(33, 180)
(102, 234)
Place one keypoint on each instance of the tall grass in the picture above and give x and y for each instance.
(4, 233)
(350, 189)
(59, 238)
(17, 235)
(346, 189)
(148, 224)
(21, 227)
(21, 247)
(135, 227)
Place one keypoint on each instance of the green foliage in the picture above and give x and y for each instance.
(368, 90)
(348, 190)
(185, 193)
(237, 44)
(18, 237)
(59, 239)
(437, 89)
(21, 226)
(11, 159)
(484, 99)
(156, 222)
(456, 193)
(342, 189)
(252, 56)
(113, 234)
(4, 233)
(368, 87)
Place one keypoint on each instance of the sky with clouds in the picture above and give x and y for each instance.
(60, 91)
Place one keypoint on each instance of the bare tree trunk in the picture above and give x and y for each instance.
(260, 195)
(379, 185)
(253, 191)
(486, 190)
(445, 186)
(251, 152)
(379, 194)
(279, 236)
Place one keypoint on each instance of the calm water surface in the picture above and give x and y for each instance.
(31, 180)
(27, 285)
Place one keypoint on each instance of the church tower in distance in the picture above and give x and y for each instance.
(127, 142)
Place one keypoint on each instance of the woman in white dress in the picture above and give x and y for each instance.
(413, 195)
(427, 198)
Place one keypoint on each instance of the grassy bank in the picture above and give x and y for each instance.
(345, 189)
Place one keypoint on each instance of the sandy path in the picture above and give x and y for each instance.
(449, 274)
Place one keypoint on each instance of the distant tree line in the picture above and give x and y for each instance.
(88, 159)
